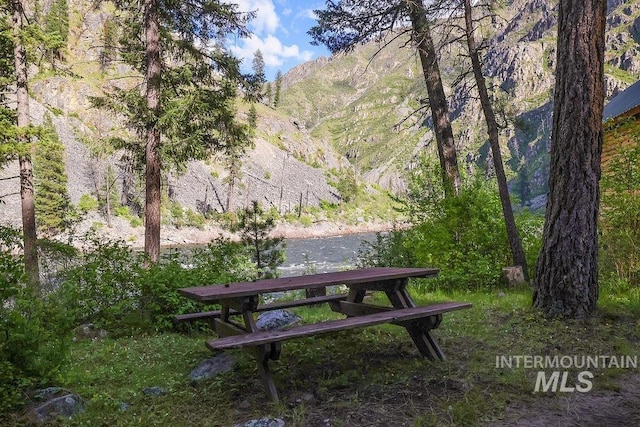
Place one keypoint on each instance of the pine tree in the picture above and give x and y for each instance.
(566, 283)
(23, 136)
(56, 29)
(278, 83)
(258, 78)
(182, 109)
(254, 226)
(7, 77)
(54, 211)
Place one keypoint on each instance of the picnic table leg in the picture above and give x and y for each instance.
(424, 341)
(262, 354)
(262, 358)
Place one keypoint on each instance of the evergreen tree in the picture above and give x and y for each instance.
(7, 77)
(268, 94)
(278, 83)
(109, 42)
(182, 109)
(252, 117)
(254, 226)
(56, 29)
(258, 78)
(23, 134)
(566, 283)
(54, 211)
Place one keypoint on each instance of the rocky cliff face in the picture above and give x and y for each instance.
(367, 93)
(348, 111)
(285, 168)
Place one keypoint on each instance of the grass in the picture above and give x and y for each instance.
(371, 376)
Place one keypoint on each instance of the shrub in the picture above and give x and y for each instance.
(103, 287)
(220, 262)
(388, 250)
(464, 236)
(35, 329)
(111, 287)
(619, 225)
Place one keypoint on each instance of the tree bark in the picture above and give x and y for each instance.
(437, 99)
(566, 283)
(152, 151)
(26, 170)
(515, 243)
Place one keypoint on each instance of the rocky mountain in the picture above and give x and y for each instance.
(354, 110)
(285, 168)
(360, 101)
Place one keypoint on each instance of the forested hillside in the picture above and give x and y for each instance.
(355, 111)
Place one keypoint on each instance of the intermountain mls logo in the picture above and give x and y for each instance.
(554, 372)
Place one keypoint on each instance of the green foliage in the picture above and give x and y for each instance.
(103, 287)
(620, 204)
(222, 261)
(277, 90)
(57, 27)
(424, 192)
(196, 92)
(252, 117)
(387, 250)
(54, 210)
(179, 217)
(7, 77)
(87, 203)
(254, 226)
(109, 40)
(464, 236)
(35, 328)
(346, 182)
(108, 285)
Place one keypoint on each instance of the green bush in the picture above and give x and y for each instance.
(35, 328)
(87, 204)
(388, 250)
(466, 239)
(110, 286)
(222, 261)
(464, 236)
(619, 225)
(103, 287)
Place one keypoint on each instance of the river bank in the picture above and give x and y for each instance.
(170, 236)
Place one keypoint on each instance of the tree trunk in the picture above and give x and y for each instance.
(566, 283)
(152, 173)
(26, 171)
(492, 129)
(437, 99)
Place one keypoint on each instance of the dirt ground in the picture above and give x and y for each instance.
(596, 408)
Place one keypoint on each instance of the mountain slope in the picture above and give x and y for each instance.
(355, 100)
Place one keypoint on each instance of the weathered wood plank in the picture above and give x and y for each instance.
(263, 307)
(405, 314)
(358, 309)
(215, 293)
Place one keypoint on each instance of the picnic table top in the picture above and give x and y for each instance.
(213, 293)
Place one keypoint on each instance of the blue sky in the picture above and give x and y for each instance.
(280, 33)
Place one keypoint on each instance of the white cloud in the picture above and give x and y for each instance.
(273, 51)
(308, 13)
(266, 20)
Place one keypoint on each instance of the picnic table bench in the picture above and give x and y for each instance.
(242, 299)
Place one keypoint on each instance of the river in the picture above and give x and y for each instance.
(322, 254)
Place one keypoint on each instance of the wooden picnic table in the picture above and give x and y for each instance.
(243, 299)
